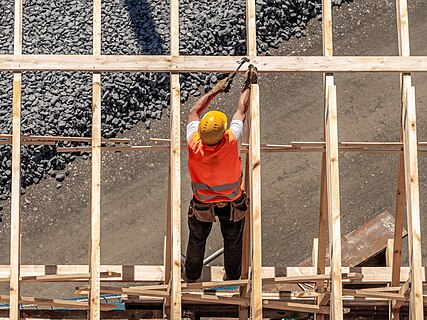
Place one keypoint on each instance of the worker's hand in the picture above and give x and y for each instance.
(251, 76)
(254, 75)
(222, 86)
(246, 81)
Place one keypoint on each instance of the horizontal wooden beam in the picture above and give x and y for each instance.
(58, 303)
(154, 273)
(147, 63)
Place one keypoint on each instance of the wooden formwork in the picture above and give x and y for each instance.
(252, 300)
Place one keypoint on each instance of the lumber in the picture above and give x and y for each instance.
(255, 203)
(332, 173)
(95, 197)
(155, 273)
(58, 303)
(175, 165)
(374, 294)
(8, 137)
(405, 84)
(162, 63)
(15, 223)
(205, 298)
(412, 203)
(293, 306)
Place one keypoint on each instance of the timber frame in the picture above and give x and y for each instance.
(328, 296)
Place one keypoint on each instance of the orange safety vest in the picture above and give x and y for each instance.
(216, 171)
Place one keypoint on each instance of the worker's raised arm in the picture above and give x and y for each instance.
(243, 104)
(251, 76)
(201, 104)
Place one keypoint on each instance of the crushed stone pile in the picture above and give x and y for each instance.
(59, 103)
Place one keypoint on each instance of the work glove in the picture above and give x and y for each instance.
(251, 76)
(222, 86)
(254, 75)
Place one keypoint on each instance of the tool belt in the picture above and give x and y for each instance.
(205, 212)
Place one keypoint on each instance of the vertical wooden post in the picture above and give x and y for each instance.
(332, 171)
(95, 198)
(15, 224)
(255, 194)
(405, 82)
(416, 308)
(175, 163)
(408, 174)
(246, 241)
(255, 173)
(328, 80)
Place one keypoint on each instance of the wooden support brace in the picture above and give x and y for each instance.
(158, 63)
(333, 203)
(15, 223)
(255, 195)
(412, 203)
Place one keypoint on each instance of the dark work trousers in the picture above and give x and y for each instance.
(232, 233)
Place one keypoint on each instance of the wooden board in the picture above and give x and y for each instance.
(147, 63)
(15, 222)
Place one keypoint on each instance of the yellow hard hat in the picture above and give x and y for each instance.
(212, 127)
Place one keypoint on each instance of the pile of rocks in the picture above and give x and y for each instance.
(59, 103)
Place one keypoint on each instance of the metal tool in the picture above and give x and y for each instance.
(241, 62)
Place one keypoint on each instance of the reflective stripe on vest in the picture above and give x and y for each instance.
(222, 187)
(230, 196)
(216, 171)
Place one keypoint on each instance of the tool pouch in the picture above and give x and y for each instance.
(239, 209)
(203, 211)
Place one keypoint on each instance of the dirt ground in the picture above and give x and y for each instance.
(55, 223)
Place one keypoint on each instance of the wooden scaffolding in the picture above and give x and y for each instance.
(327, 298)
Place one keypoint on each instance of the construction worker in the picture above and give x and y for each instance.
(217, 180)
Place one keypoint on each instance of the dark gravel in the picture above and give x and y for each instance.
(59, 103)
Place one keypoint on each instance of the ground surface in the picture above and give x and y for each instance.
(56, 222)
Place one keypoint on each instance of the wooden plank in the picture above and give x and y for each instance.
(405, 83)
(15, 222)
(374, 294)
(328, 80)
(412, 203)
(255, 195)
(58, 303)
(175, 164)
(205, 298)
(158, 63)
(155, 273)
(333, 203)
(292, 306)
(63, 138)
(95, 195)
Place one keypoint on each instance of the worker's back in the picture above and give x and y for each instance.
(216, 172)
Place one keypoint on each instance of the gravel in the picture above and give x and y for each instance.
(59, 103)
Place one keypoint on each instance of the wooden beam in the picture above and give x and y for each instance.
(333, 203)
(15, 222)
(412, 203)
(95, 195)
(374, 294)
(175, 165)
(255, 203)
(8, 137)
(157, 63)
(58, 303)
(292, 306)
(405, 83)
(155, 273)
